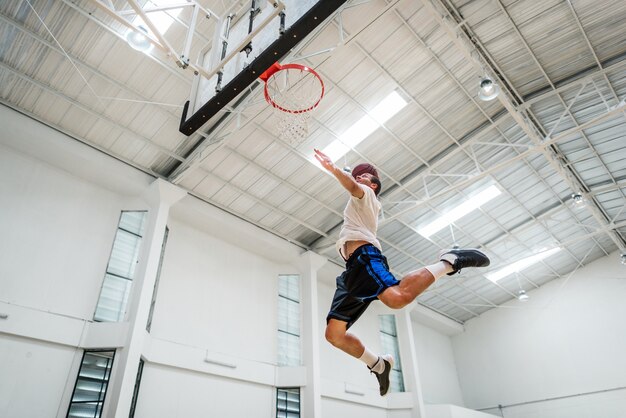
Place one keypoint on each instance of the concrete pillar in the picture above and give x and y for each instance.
(310, 396)
(410, 367)
(159, 196)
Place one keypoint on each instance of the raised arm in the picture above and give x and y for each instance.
(345, 179)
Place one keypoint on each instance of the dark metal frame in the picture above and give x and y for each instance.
(278, 49)
(109, 368)
(155, 289)
(284, 389)
(133, 402)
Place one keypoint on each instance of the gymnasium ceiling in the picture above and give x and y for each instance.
(558, 127)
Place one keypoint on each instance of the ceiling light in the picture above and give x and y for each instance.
(458, 212)
(522, 296)
(364, 127)
(161, 20)
(488, 89)
(578, 199)
(138, 40)
(521, 264)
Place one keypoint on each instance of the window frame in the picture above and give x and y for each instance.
(108, 371)
(287, 391)
(133, 402)
(156, 282)
(286, 332)
(397, 366)
(121, 315)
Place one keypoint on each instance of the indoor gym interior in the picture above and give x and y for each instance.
(168, 252)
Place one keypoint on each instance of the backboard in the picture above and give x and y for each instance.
(250, 37)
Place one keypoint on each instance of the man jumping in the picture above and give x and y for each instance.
(367, 275)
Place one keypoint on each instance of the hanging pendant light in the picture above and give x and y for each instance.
(522, 296)
(138, 40)
(488, 89)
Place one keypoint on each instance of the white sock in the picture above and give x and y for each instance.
(439, 269)
(379, 367)
(369, 358)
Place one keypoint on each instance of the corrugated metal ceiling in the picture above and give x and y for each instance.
(559, 129)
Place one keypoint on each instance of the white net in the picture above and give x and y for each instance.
(293, 128)
(294, 93)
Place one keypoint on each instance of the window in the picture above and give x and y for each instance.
(288, 403)
(133, 403)
(91, 384)
(156, 282)
(121, 268)
(389, 341)
(288, 320)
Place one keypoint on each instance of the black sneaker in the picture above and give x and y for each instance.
(383, 377)
(464, 258)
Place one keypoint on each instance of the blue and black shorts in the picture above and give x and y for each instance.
(366, 276)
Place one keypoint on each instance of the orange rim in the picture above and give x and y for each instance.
(276, 67)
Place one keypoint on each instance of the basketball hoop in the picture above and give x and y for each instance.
(293, 90)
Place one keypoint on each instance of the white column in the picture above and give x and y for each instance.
(159, 196)
(410, 369)
(310, 399)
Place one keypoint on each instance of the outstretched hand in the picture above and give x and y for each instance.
(324, 160)
(346, 179)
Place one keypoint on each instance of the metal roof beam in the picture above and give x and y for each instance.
(482, 65)
(91, 68)
(103, 25)
(558, 89)
(90, 111)
(533, 149)
(593, 52)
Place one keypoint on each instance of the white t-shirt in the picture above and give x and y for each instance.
(360, 220)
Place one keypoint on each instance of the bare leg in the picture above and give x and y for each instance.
(411, 286)
(337, 334)
(414, 283)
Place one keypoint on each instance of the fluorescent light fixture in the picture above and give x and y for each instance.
(458, 212)
(521, 264)
(364, 127)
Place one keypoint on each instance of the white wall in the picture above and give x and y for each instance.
(171, 392)
(216, 301)
(58, 215)
(33, 376)
(214, 295)
(437, 367)
(55, 228)
(335, 408)
(453, 411)
(568, 339)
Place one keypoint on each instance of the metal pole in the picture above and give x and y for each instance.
(192, 27)
(253, 12)
(281, 29)
(220, 73)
